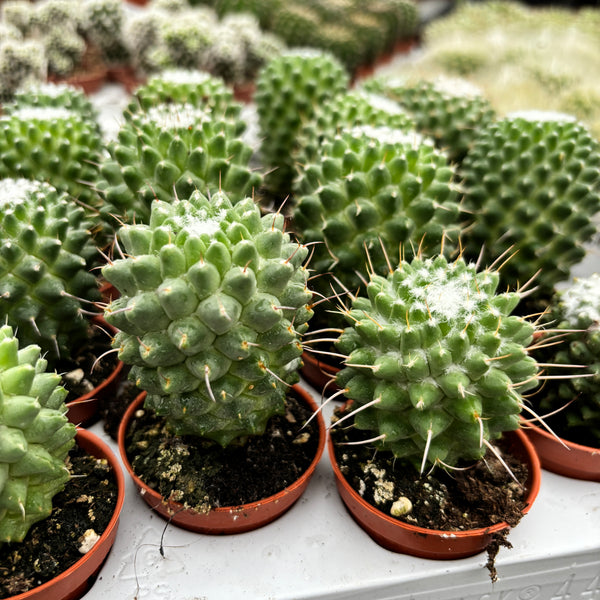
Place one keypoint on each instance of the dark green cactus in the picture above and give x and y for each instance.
(213, 300)
(52, 144)
(46, 252)
(35, 437)
(451, 111)
(531, 185)
(377, 189)
(289, 90)
(173, 149)
(436, 365)
(575, 309)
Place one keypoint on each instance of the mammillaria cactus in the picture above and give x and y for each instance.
(376, 188)
(450, 110)
(289, 89)
(53, 144)
(35, 437)
(173, 149)
(576, 310)
(531, 185)
(436, 365)
(46, 252)
(213, 300)
(22, 62)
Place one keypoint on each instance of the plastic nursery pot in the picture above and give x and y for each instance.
(79, 577)
(319, 373)
(566, 458)
(227, 519)
(405, 538)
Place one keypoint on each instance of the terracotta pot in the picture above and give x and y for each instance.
(402, 537)
(126, 76)
(78, 578)
(83, 410)
(244, 92)
(89, 82)
(571, 459)
(318, 373)
(228, 519)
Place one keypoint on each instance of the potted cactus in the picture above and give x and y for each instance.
(572, 405)
(213, 300)
(46, 464)
(435, 369)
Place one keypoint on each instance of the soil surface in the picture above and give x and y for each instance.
(52, 545)
(479, 495)
(202, 475)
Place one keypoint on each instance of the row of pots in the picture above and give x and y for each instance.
(389, 532)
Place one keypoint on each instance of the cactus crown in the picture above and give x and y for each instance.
(45, 255)
(436, 364)
(35, 437)
(213, 299)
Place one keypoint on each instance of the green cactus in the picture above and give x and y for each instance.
(575, 309)
(226, 55)
(186, 86)
(46, 253)
(379, 189)
(213, 300)
(297, 25)
(52, 144)
(35, 437)
(22, 62)
(450, 110)
(289, 90)
(185, 40)
(263, 10)
(531, 185)
(436, 365)
(173, 149)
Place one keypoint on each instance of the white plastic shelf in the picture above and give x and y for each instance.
(317, 551)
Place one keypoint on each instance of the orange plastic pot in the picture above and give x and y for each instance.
(405, 538)
(568, 459)
(79, 577)
(228, 519)
(318, 373)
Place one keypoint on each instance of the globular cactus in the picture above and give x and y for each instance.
(173, 149)
(46, 253)
(297, 24)
(18, 14)
(53, 144)
(450, 110)
(213, 301)
(531, 186)
(288, 91)
(35, 437)
(22, 62)
(436, 364)
(576, 310)
(377, 189)
(186, 86)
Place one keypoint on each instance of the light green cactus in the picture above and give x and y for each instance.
(173, 149)
(35, 437)
(213, 301)
(531, 187)
(436, 364)
(46, 253)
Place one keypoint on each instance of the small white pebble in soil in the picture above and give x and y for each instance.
(401, 507)
(384, 491)
(87, 541)
(302, 438)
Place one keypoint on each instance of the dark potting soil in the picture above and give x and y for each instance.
(202, 475)
(478, 495)
(52, 545)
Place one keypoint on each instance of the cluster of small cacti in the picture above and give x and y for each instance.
(576, 310)
(436, 364)
(35, 437)
(213, 300)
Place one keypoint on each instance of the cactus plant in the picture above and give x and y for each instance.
(531, 185)
(53, 144)
(36, 437)
(576, 310)
(213, 300)
(173, 149)
(288, 91)
(450, 110)
(379, 189)
(435, 364)
(17, 14)
(21, 63)
(45, 256)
